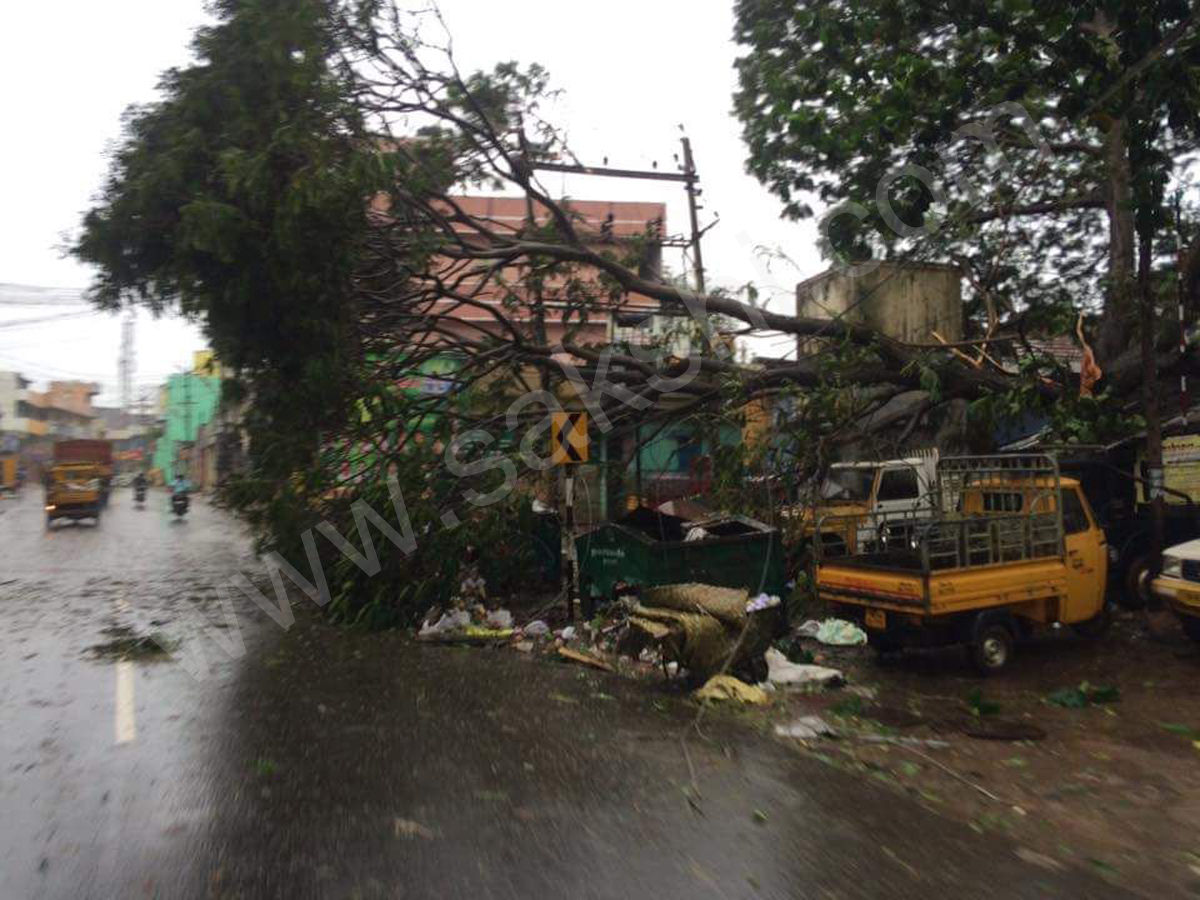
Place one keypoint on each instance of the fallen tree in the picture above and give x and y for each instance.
(302, 190)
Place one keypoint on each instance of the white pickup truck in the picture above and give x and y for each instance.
(856, 500)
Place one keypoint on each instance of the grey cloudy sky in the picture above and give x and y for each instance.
(632, 71)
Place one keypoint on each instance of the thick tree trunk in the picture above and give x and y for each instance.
(1148, 321)
(1118, 307)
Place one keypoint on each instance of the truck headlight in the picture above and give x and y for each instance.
(1172, 566)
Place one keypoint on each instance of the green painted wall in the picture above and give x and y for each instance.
(192, 401)
(675, 448)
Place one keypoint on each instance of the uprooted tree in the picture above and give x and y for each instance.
(300, 191)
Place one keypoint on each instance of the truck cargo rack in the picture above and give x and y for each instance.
(1019, 518)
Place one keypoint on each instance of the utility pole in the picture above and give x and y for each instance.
(693, 193)
(1151, 410)
(125, 366)
(687, 175)
(1185, 402)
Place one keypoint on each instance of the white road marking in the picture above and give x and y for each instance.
(125, 710)
(126, 716)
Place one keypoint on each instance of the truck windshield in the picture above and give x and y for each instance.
(848, 484)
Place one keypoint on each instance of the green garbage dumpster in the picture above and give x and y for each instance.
(648, 548)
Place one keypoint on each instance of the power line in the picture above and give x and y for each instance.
(38, 295)
(126, 363)
(21, 323)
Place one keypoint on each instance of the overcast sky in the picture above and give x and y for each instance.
(631, 73)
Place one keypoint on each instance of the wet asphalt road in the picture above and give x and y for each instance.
(322, 763)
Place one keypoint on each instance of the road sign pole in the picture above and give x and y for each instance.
(569, 441)
(572, 581)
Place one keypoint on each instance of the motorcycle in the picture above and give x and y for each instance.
(139, 495)
(179, 504)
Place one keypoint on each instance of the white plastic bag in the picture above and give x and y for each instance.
(455, 620)
(782, 672)
(500, 619)
(834, 632)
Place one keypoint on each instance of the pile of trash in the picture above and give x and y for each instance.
(475, 625)
(721, 638)
(468, 620)
(781, 673)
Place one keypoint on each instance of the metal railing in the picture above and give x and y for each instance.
(985, 511)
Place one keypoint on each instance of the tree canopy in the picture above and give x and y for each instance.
(1021, 138)
(237, 198)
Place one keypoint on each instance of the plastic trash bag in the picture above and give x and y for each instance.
(499, 618)
(834, 632)
(806, 728)
(726, 687)
(761, 602)
(456, 620)
(782, 672)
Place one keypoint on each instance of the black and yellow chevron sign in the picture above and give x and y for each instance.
(569, 438)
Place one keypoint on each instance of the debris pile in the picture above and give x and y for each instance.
(721, 639)
(469, 621)
(705, 629)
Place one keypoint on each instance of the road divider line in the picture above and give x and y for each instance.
(126, 715)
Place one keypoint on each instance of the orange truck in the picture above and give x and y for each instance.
(78, 482)
(8, 473)
(1011, 546)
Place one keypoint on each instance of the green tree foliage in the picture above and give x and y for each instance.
(238, 199)
(838, 97)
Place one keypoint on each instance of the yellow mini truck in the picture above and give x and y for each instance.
(1179, 585)
(73, 491)
(1008, 546)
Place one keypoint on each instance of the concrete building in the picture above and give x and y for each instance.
(905, 301)
(14, 393)
(31, 421)
(625, 317)
(64, 411)
(190, 401)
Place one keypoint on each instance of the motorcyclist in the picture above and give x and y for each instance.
(180, 486)
(139, 483)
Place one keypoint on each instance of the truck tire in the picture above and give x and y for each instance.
(885, 646)
(1135, 583)
(1191, 627)
(992, 644)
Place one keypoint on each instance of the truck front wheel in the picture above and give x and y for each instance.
(885, 647)
(991, 647)
(1191, 627)
(1136, 583)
